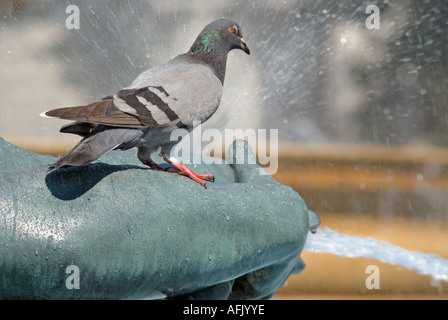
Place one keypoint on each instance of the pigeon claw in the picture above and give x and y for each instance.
(181, 169)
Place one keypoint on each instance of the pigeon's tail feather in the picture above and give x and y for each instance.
(97, 143)
(80, 128)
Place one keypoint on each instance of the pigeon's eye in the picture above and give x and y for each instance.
(234, 30)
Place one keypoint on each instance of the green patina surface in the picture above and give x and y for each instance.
(139, 233)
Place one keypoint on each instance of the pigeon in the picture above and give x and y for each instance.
(183, 93)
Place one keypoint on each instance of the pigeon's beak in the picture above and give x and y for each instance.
(244, 46)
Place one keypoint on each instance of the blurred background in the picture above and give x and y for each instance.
(362, 114)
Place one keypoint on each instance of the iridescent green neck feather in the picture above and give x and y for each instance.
(211, 49)
(208, 39)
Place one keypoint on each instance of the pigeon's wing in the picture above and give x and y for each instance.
(101, 112)
(174, 94)
(178, 95)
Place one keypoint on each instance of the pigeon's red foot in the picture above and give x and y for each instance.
(183, 170)
(152, 164)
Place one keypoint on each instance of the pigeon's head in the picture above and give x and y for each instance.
(220, 36)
